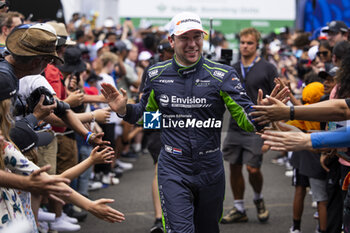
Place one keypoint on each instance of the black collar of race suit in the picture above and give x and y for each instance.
(183, 71)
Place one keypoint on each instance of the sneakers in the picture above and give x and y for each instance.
(61, 225)
(69, 219)
(110, 179)
(234, 216)
(157, 227)
(123, 165)
(289, 173)
(294, 231)
(263, 213)
(46, 216)
(94, 185)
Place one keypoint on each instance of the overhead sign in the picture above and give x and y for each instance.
(229, 16)
(223, 9)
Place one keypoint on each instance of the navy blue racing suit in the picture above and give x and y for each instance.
(192, 100)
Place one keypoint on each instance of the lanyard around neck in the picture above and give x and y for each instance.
(248, 68)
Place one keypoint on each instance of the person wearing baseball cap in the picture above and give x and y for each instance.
(186, 25)
(329, 81)
(191, 176)
(337, 31)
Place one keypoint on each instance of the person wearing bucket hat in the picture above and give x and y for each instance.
(62, 34)
(15, 66)
(31, 48)
(73, 63)
(38, 40)
(191, 176)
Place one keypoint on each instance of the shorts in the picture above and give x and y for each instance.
(48, 155)
(299, 179)
(67, 153)
(243, 148)
(318, 188)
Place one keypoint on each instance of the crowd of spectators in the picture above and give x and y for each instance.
(313, 66)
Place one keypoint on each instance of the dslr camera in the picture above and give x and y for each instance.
(34, 98)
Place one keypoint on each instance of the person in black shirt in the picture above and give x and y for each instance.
(242, 147)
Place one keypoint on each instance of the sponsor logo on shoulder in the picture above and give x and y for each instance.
(153, 73)
(219, 74)
(166, 81)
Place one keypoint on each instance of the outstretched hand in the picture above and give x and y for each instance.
(96, 139)
(116, 100)
(100, 209)
(102, 115)
(276, 111)
(290, 140)
(46, 185)
(104, 156)
(277, 92)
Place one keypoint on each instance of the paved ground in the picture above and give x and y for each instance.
(133, 197)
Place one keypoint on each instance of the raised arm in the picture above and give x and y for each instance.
(99, 208)
(35, 182)
(104, 156)
(116, 100)
(330, 110)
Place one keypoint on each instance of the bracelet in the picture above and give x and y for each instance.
(88, 136)
(291, 112)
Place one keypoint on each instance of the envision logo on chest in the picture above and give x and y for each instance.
(187, 102)
(164, 100)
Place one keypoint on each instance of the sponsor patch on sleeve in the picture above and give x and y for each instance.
(153, 73)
